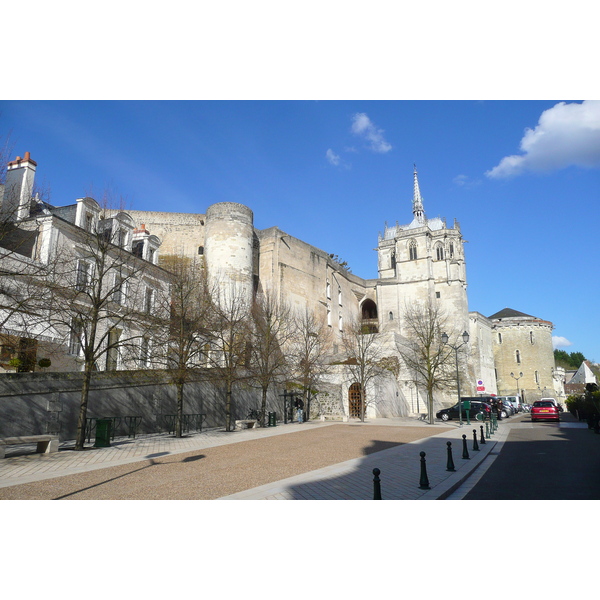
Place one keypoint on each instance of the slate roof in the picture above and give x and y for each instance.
(508, 313)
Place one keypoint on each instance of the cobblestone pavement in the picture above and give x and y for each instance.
(315, 460)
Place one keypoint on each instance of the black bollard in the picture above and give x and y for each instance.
(475, 445)
(465, 451)
(424, 483)
(376, 485)
(450, 465)
(482, 441)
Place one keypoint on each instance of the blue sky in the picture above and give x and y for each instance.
(521, 177)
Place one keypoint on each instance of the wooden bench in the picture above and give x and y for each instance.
(45, 443)
(246, 424)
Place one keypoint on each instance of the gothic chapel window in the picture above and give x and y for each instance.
(412, 250)
(439, 252)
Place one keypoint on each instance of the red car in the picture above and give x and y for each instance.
(544, 410)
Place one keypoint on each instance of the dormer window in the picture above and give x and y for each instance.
(89, 223)
(87, 214)
(137, 248)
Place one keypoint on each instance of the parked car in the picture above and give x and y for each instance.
(545, 410)
(512, 400)
(447, 414)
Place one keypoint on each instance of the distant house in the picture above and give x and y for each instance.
(583, 376)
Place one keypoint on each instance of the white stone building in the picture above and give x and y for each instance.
(52, 257)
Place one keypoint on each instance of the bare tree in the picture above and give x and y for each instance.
(272, 331)
(188, 311)
(230, 339)
(428, 360)
(99, 301)
(309, 352)
(366, 359)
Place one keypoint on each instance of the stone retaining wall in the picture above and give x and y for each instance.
(38, 403)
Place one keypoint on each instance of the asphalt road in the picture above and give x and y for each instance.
(544, 461)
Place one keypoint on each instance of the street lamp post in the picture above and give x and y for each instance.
(517, 380)
(445, 341)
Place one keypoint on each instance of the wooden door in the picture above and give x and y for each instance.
(354, 401)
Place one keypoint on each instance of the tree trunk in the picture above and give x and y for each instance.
(179, 416)
(430, 407)
(263, 406)
(228, 407)
(362, 404)
(81, 421)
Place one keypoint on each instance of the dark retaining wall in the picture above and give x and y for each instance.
(36, 403)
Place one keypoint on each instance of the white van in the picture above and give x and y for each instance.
(555, 402)
(515, 401)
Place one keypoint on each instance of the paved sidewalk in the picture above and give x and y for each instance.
(26, 468)
(400, 466)
(400, 471)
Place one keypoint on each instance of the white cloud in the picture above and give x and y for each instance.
(566, 135)
(365, 128)
(560, 342)
(332, 157)
(465, 181)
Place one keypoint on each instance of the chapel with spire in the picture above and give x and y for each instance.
(419, 262)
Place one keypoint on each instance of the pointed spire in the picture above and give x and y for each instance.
(418, 210)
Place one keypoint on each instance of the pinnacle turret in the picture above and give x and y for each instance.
(418, 210)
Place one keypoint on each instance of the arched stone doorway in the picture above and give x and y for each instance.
(354, 401)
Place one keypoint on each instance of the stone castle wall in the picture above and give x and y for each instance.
(180, 233)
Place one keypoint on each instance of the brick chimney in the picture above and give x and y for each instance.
(18, 189)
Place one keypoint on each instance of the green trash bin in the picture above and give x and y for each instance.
(103, 433)
(272, 419)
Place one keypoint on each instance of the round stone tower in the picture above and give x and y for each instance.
(523, 355)
(228, 248)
